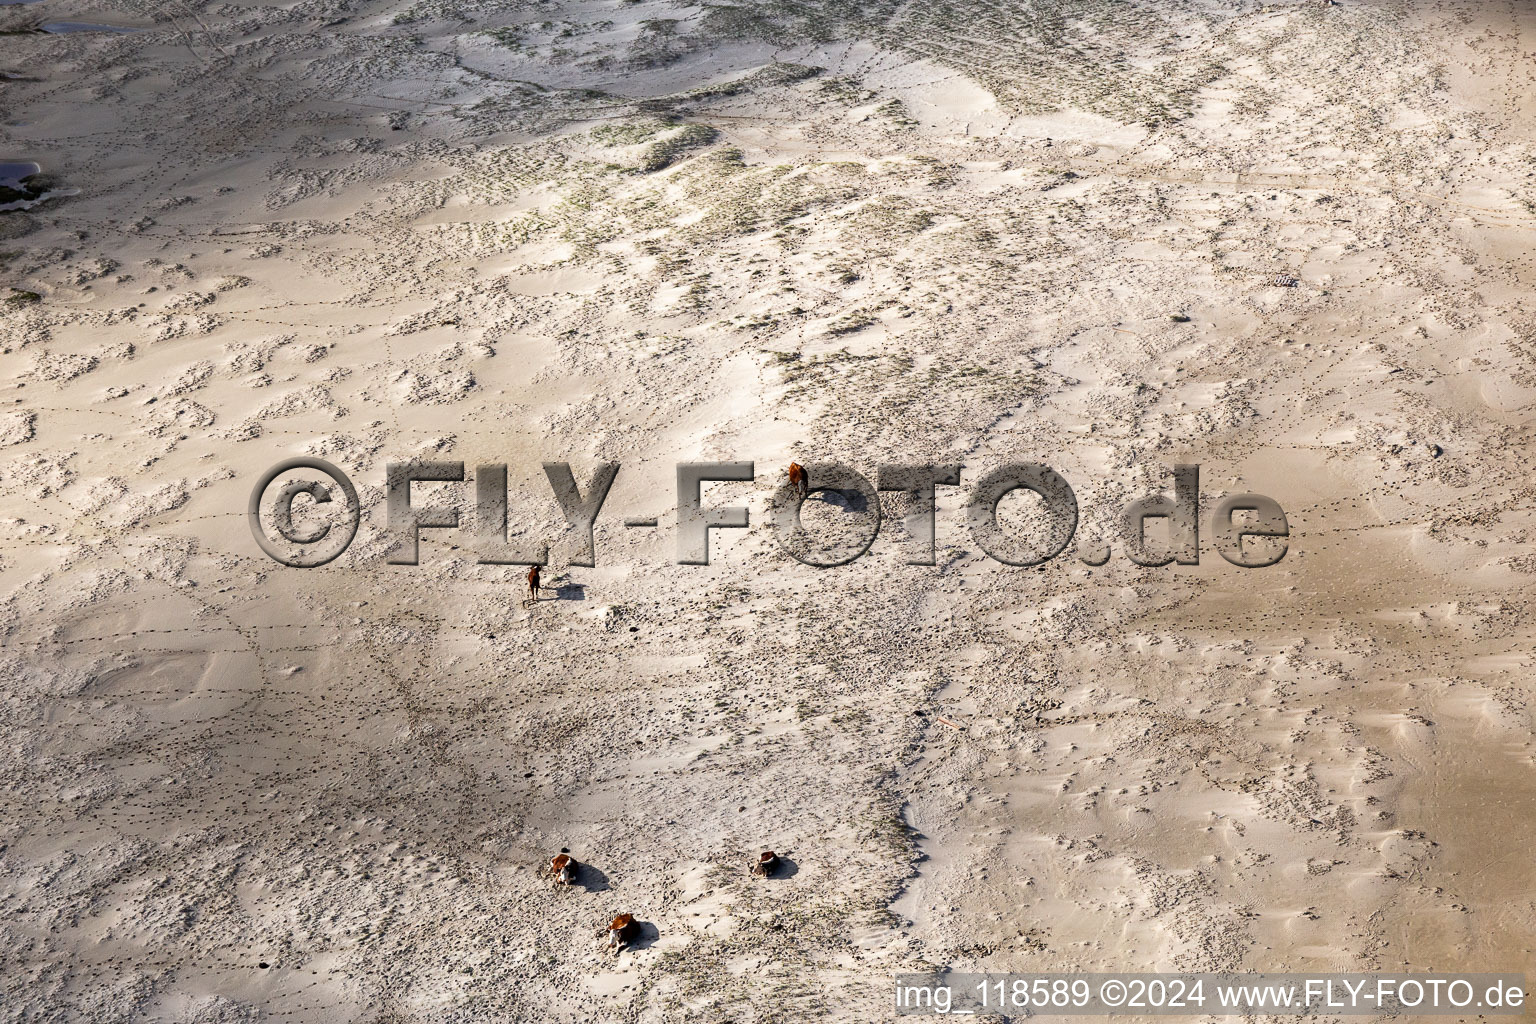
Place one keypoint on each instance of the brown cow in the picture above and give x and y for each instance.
(766, 864)
(533, 583)
(562, 869)
(622, 932)
(799, 479)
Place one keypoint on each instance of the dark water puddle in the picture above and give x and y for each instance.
(14, 174)
(60, 28)
(23, 186)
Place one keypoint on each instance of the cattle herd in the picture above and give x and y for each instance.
(623, 930)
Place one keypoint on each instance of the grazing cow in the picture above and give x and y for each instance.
(562, 869)
(622, 932)
(533, 583)
(799, 479)
(766, 864)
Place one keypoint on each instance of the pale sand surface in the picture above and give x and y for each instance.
(645, 233)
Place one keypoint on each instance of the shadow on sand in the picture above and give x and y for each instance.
(787, 869)
(649, 933)
(590, 878)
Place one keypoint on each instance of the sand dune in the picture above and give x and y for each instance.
(1289, 243)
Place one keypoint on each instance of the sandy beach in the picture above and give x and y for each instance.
(1289, 243)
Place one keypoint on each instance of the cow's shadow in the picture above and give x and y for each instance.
(565, 590)
(853, 501)
(848, 501)
(647, 935)
(787, 869)
(591, 879)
